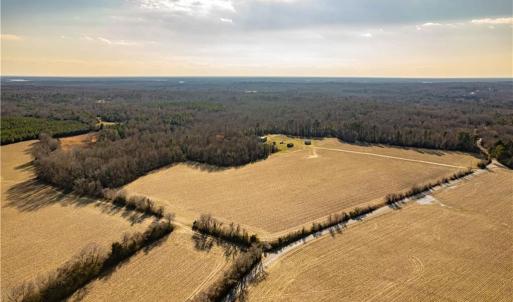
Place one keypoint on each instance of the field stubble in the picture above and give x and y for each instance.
(43, 228)
(295, 187)
(176, 269)
(455, 248)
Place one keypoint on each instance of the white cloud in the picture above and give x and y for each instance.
(188, 7)
(431, 24)
(226, 20)
(107, 41)
(115, 42)
(496, 21)
(440, 25)
(428, 24)
(8, 37)
(366, 35)
(86, 37)
(485, 21)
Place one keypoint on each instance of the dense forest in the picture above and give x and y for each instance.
(20, 128)
(218, 121)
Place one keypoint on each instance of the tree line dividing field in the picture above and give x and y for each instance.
(99, 257)
(457, 249)
(159, 127)
(294, 188)
(247, 261)
(42, 227)
(89, 264)
(232, 284)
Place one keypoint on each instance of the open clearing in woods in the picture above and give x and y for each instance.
(83, 140)
(298, 186)
(43, 228)
(457, 247)
(174, 270)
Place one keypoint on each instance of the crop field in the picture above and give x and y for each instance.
(456, 247)
(174, 270)
(83, 140)
(42, 228)
(295, 187)
(436, 156)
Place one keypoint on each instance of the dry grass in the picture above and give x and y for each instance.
(455, 249)
(99, 123)
(438, 156)
(292, 188)
(175, 270)
(83, 140)
(281, 142)
(42, 228)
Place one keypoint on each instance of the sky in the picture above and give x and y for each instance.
(333, 38)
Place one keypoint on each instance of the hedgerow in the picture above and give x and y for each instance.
(206, 224)
(87, 265)
(228, 282)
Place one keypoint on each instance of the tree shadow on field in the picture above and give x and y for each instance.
(80, 294)
(205, 243)
(257, 275)
(337, 229)
(429, 151)
(206, 167)
(26, 167)
(33, 195)
(133, 217)
(107, 273)
(416, 149)
(396, 205)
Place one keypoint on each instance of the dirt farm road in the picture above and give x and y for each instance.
(390, 157)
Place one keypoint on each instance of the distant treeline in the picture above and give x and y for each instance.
(90, 263)
(216, 122)
(16, 129)
(370, 133)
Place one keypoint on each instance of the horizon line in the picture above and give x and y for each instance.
(258, 76)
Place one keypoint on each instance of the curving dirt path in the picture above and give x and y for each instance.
(479, 144)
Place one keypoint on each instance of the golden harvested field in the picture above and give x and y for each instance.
(457, 248)
(42, 228)
(82, 140)
(173, 271)
(293, 188)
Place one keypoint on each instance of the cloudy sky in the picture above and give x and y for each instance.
(393, 38)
